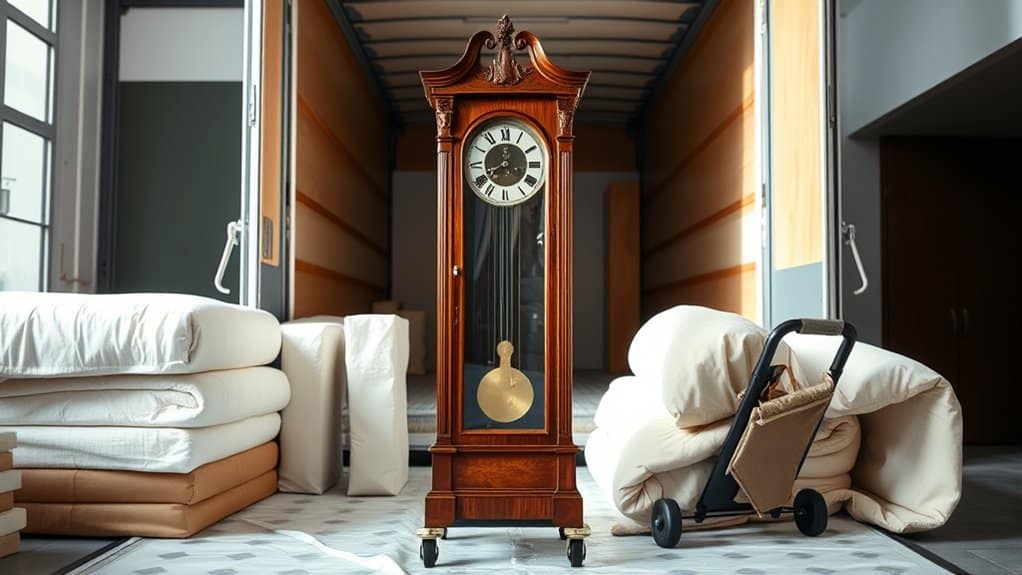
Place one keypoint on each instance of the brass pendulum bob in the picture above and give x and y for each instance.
(505, 394)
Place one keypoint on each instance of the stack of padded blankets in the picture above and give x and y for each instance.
(143, 415)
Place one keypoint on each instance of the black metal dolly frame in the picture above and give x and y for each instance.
(718, 497)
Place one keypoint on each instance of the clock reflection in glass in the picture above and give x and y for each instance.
(505, 162)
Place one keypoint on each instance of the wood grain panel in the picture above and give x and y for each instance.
(330, 294)
(622, 272)
(320, 241)
(700, 219)
(723, 174)
(731, 289)
(328, 178)
(796, 151)
(724, 243)
(341, 195)
(714, 79)
(330, 80)
(504, 470)
(339, 222)
(271, 150)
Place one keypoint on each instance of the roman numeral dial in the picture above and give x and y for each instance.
(505, 161)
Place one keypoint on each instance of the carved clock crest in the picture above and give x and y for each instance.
(504, 453)
(504, 70)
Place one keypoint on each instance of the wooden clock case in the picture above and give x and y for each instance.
(504, 476)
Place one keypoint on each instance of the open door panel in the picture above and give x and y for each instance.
(796, 181)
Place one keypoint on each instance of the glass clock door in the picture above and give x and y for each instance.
(503, 224)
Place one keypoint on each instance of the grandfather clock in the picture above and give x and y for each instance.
(504, 453)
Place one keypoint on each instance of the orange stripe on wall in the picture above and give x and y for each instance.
(700, 278)
(320, 209)
(720, 214)
(378, 191)
(311, 268)
(731, 118)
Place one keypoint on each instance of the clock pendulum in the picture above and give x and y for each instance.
(505, 394)
(504, 453)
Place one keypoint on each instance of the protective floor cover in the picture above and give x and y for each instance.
(312, 356)
(333, 534)
(180, 400)
(376, 357)
(59, 335)
(905, 477)
(144, 519)
(101, 486)
(149, 449)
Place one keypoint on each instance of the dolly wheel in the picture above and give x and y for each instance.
(444, 536)
(560, 533)
(429, 552)
(810, 512)
(666, 523)
(576, 552)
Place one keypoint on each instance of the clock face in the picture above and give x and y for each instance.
(505, 162)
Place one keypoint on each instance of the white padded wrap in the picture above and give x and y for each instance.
(59, 335)
(697, 357)
(312, 356)
(376, 357)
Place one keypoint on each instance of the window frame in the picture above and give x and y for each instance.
(45, 129)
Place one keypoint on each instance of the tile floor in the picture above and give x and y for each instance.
(983, 537)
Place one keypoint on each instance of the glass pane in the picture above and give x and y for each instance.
(26, 71)
(23, 183)
(20, 248)
(504, 303)
(38, 10)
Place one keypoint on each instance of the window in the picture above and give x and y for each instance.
(28, 42)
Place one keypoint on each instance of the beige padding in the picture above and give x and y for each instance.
(766, 461)
(102, 486)
(10, 544)
(171, 520)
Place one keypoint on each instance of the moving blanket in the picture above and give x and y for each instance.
(149, 449)
(889, 449)
(182, 400)
(145, 519)
(61, 335)
(102, 486)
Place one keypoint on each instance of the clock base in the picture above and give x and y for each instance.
(535, 484)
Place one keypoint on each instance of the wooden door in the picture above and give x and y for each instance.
(950, 270)
(919, 231)
(987, 208)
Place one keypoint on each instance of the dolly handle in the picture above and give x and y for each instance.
(811, 326)
(822, 326)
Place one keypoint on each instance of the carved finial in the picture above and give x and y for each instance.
(504, 70)
(444, 117)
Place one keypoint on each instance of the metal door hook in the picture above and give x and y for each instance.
(233, 239)
(848, 233)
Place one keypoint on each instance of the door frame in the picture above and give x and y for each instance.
(106, 233)
(830, 204)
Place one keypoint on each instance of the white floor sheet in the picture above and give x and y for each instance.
(303, 534)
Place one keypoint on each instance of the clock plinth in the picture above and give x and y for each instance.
(504, 256)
